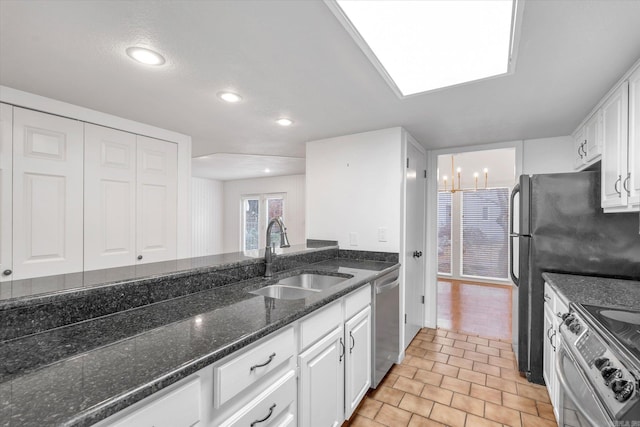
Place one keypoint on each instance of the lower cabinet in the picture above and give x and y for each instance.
(320, 390)
(554, 308)
(357, 372)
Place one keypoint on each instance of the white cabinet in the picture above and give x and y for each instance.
(633, 150)
(130, 198)
(6, 178)
(357, 369)
(614, 157)
(321, 386)
(554, 308)
(588, 141)
(47, 201)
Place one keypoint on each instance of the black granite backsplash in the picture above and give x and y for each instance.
(33, 315)
(368, 255)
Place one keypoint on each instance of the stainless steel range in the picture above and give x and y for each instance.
(598, 366)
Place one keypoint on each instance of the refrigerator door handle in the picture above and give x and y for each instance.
(515, 191)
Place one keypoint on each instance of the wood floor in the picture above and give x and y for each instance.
(460, 379)
(477, 308)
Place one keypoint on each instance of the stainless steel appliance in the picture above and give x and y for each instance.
(557, 225)
(386, 327)
(598, 367)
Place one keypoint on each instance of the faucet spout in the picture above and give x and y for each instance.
(284, 243)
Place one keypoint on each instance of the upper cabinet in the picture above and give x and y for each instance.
(612, 134)
(78, 196)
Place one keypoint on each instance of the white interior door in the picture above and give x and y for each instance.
(110, 198)
(6, 185)
(415, 235)
(47, 201)
(156, 225)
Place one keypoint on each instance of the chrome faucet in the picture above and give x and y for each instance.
(284, 243)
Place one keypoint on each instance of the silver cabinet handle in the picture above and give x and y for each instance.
(551, 341)
(579, 153)
(624, 184)
(343, 349)
(271, 356)
(584, 151)
(615, 185)
(353, 342)
(265, 418)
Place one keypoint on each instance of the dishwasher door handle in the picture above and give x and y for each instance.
(384, 288)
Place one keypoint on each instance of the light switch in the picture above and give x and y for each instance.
(382, 234)
(353, 239)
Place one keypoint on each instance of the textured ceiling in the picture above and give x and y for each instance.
(293, 58)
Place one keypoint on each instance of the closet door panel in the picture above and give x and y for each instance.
(47, 196)
(110, 198)
(156, 200)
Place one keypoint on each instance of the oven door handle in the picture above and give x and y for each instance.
(562, 353)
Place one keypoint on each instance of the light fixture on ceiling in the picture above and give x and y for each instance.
(420, 46)
(267, 170)
(229, 97)
(284, 121)
(145, 56)
(455, 189)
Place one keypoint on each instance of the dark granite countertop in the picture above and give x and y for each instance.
(129, 355)
(593, 290)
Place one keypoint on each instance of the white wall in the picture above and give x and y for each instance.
(354, 185)
(206, 217)
(293, 185)
(547, 155)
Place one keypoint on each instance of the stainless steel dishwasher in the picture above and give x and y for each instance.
(386, 325)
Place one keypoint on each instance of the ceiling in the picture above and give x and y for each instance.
(293, 58)
(229, 166)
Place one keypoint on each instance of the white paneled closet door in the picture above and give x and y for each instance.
(47, 196)
(156, 227)
(110, 198)
(6, 159)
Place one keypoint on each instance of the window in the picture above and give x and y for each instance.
(257, 211)
(444, 233)
(485, 215)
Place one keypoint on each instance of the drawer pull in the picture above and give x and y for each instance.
(263, 364)
(353, 342)
(268, 415)
(343, 350)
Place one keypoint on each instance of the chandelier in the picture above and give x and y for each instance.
(455, 189)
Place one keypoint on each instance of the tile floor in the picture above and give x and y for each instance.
(455, 379)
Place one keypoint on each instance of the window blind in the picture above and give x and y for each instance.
(444, 232)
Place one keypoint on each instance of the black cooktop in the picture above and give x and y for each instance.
(623, 324)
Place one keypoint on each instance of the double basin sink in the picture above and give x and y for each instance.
(300, 286)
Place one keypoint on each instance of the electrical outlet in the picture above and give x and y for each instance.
(353, 238)
(382, 234)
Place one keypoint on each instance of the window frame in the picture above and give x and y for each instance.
(263, 213)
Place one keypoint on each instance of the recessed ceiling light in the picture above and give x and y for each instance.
(229, 96)
(284, 121)
(267, 170)
(145, 56)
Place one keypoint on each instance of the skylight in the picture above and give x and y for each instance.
(426, 45)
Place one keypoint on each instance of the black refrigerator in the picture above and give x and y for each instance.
(557, 225)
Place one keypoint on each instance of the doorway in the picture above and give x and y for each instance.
(472, 241)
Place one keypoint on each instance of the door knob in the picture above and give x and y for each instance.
(139, 256)
(7, 272)
(417, 254)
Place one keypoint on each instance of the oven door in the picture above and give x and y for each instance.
(579, 404)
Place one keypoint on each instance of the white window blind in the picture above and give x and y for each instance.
(485, 215)
(444, 232)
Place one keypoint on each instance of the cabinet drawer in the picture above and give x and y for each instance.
(320, 323)
(179, 408)
(356, 301)
(240, 372)
(276, 406)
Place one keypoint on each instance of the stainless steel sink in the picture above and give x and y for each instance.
(312, 281)
(285, 292)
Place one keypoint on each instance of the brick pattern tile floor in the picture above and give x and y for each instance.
(456, 379)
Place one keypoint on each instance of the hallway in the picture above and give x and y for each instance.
(476, 308)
